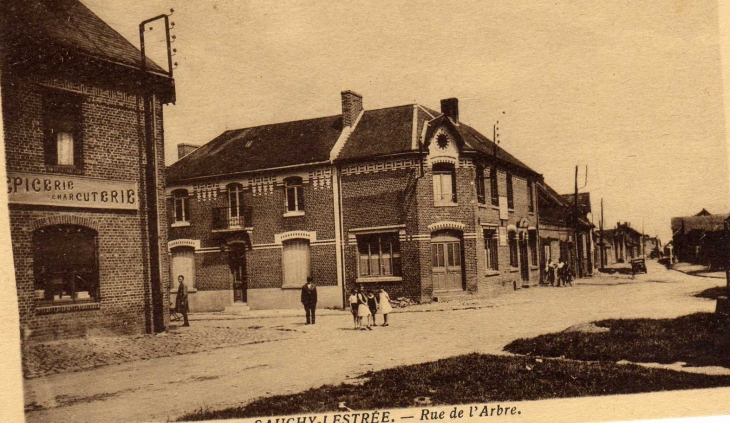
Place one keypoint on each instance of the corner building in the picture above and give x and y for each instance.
(402, 198)
(73, 123)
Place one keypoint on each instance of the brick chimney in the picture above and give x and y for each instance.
(450, 107)
(185, 149)
(351, 107)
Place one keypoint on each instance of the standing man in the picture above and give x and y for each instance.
(309, 299)
(181, 300)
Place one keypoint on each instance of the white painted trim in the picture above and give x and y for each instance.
(194, 243)
(426, 111)
(294, 213)
(344, 136)
(446, 224)
(377, 229)
(180, 224)
(311, 236)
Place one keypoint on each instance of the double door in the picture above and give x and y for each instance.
(446, 260)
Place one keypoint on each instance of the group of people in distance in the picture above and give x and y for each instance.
(364, 305)
(558, 274)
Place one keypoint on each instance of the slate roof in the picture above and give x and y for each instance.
(378, 133)
(584, 201)
(261, 147)
(68, 24)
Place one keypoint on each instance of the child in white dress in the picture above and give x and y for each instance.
(385, 306)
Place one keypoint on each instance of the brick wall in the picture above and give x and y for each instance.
(112, 146)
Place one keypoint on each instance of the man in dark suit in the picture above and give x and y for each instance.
(309, 299)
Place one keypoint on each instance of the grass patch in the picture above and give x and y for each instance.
(473, 378)
(697, 339)
(712, 293)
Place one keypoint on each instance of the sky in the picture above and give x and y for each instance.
(631, 92)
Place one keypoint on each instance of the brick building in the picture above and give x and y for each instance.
(404, 198)
(75, 153)
(620, 244)
(558, 226)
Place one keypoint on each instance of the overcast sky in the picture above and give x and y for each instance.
(632, 91)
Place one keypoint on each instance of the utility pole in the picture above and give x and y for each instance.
(603, 247)
(156, 322)
(576, 222)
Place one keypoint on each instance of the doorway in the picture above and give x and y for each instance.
(524, 259)
(446, 258)
(238, 273)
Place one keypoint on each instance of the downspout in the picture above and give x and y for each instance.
(339, 228)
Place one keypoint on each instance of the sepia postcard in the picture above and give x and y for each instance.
(365, 212)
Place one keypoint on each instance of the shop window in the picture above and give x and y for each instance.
(480, 184)
(530, 197)
(513, 261)
(65, 264)
(494, 186)
(295, 258)
(510, 192)
(379, 255)
(444, 183)
(490, 249)
(294, 194)
(235, 204)
(62, 129)
(181, 206)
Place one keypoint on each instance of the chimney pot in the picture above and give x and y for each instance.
(450, 107)
(185, 149)
(351, 107)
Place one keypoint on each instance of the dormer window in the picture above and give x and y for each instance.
(294, 194)
(444, 183)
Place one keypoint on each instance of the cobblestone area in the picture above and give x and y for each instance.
(45, 358)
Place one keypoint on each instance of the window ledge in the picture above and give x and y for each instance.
(180, 224)
(514, 269)
(66, 308)
(534, 267)
(367, 279)
(294, 213)
(445, 204)
(491, 273)
(65, 169)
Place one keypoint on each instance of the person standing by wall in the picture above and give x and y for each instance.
(309, 299)
(385, 306)
(181, 300)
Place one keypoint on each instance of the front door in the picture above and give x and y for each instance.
(238, 271)
(446, 263)
(524, 265)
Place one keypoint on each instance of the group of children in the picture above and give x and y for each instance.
(559, 273)
(364, 305)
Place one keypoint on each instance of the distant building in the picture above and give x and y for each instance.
(558, 230)
(618, 245)
(75, 147)
(403, 198)
(653, 247)
(701, 239)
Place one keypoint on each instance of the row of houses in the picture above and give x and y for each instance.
(621, 244)
(406, 198)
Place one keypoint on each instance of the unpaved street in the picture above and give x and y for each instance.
(331, 351)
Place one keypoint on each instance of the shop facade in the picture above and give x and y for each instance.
(74, 145)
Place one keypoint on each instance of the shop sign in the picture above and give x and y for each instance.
(71, 191)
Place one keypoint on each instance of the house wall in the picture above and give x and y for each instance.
(265, 194)
(112, 127)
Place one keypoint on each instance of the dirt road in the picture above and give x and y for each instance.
(331, 351)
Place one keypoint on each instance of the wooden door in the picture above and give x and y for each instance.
(446, 263)
(524, 265)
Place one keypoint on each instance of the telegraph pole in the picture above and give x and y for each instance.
(603, 248)
(576, 223)
(156, 322)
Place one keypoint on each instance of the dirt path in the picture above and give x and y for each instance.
(331, 351)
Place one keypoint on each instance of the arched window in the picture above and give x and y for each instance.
(181, 205)
(65, 263)
(294, 194)
(235, 204)
(444, 183)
